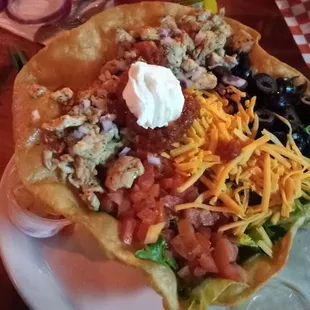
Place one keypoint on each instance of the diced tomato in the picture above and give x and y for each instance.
(138, 206)
(202, 245)
(199, 272)
(124, 207)
(207, 262)
(206, 231)
(162, 192)
(227, 249)
(224, 253)
(161, 213)
(142, 154)
(185, 274)
(153, 191)
(127, 230)
(187, 233)
(193, 264)
(215, 237)
(107, 205)
(117, 196)
(197, 250)
(141, 232)
(166, 168)
(147, 178)
(130, 213)
(178, 180)
(170, 201)
(166, 183)
(151, 203)
(136, 194)
(147, 202)
(228, 150)
(179, 247)
(231, 272)
(204, 242)
(148, 216)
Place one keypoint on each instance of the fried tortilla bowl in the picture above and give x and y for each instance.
(75, 57)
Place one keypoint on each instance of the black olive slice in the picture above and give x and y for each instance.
(265, 83)
(305, 100)
(276, 103)
(266, 119)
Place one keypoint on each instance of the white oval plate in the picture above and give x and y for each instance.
(67, 272)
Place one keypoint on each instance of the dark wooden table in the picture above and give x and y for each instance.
(263, 15)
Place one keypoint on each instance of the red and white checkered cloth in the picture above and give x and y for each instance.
(297, 16)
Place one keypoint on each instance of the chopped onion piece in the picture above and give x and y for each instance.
(167, 40)
(83, 129)
(107, 125)
(153, 160)
(110, 117)
(165, 32)
(78, 134)
(124, 151)
(107, 122)
(85, 103)
(197, 73)
(234, 81)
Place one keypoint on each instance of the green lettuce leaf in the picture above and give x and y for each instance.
(246, 240)
(299, 218)
(307, 130)
(157, 252)
(207, 292)
(302, 211)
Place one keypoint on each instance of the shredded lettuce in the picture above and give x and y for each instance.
(307, 130)
(157, 252)
(204, 294)
(246, 240)
(248, 249)
(299, 218)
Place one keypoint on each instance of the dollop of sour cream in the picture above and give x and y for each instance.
(153, 94)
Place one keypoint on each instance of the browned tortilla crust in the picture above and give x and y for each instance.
(70, 60)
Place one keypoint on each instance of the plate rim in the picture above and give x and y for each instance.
(4, 258)
(43, 275)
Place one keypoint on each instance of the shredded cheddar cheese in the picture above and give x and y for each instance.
(278, 173)
(201, 206)
(267, 183)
